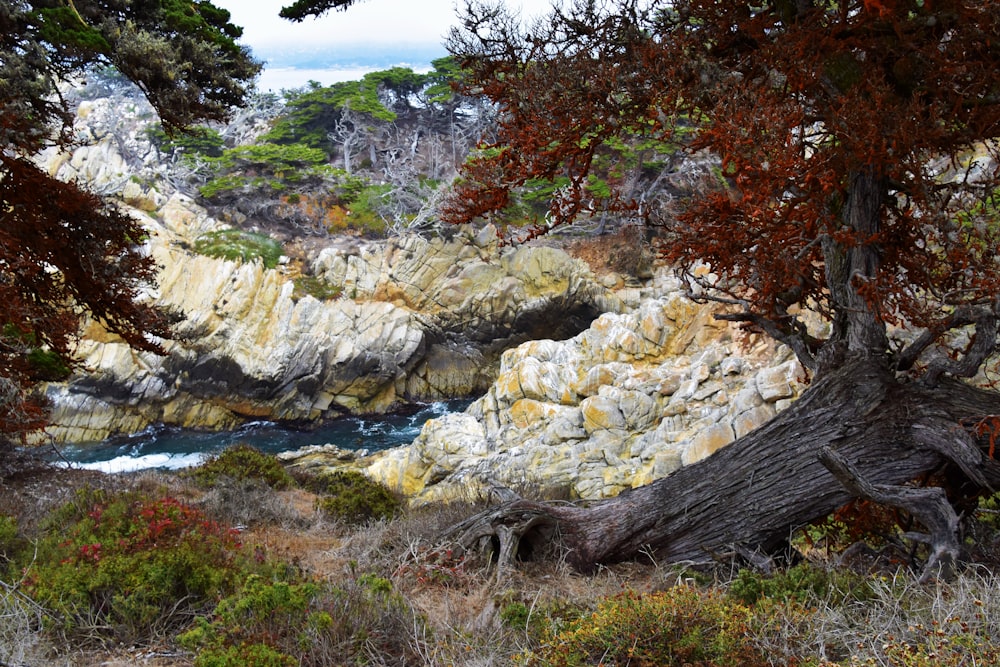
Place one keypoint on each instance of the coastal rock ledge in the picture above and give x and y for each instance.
(629, 400)
(416, 320)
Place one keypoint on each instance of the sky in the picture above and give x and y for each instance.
(343, 45)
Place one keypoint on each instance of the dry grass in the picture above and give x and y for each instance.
(463, 614)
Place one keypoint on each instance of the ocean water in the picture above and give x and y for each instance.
(174, 448)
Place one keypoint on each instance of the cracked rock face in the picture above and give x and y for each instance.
(632, 398)
(418, 320)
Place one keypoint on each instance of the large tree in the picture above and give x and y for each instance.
(855, 221)
(64, 251)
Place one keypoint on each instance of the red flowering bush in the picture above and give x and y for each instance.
(118, 566)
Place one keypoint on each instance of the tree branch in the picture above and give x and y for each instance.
(983, 344)
(797, 339)
(928, 505)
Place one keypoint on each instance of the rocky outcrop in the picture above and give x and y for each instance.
(419, 319)
(589, 406)
(629, 400)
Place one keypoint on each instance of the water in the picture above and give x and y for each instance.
(176, 448)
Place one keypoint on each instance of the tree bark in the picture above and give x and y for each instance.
(753, 494)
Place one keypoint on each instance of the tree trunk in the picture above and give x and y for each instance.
(753, 494)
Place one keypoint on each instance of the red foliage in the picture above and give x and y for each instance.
(64, 251)
(845, 132)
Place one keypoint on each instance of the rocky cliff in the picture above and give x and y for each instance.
(629, 400)
(586, 385)
(417, 318)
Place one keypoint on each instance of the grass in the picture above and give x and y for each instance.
(305, 588)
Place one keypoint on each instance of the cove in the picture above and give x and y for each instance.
(175, 448)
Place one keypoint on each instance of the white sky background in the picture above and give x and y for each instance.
(420, 24)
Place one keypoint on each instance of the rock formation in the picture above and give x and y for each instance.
(418, 319)
(631, 399)
(589, 406)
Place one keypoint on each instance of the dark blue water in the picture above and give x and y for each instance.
(174, 448)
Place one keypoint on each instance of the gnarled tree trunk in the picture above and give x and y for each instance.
(875, 432)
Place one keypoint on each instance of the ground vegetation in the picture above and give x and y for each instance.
(151, 568)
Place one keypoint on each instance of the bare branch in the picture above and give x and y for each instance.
(928, 505)
(793, 335)
(983, 344)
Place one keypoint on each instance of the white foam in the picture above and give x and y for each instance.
(145, 462)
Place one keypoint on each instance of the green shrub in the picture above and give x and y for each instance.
(536, 621)
(9, 540)
(681, 626)
(127, 566)
(240, 246)
(316, 288)
(317, 622)
(365, 204)
(801, 583)
(244, 170)
(245, 655)
(196, 141)
(352, 497)
(241, 462)
(47, 366)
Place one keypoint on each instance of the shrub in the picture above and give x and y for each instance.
(47, 366)
(126, 566)
(246, 655)
(240, 246)
(8, 538)
(245, 170)
(801, 583)
(681, 626)
(198, 141)
(318, 623)
(241, 462)
(316, 288)
(352, 497)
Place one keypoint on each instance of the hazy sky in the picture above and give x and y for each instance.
(365, 22)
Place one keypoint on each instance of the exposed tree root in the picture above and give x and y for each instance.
(857, 432)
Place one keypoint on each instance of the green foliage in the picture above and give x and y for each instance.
(439, 88)
(316, 288)
(537, 621)
(241, 462)
(352, 497)
(247, 169)
(196, 141)
(118, 566)
(245, 655)
(62, 25)
(9, 541)
(310, 114)
(364, 206)
(317, 622)
(680, 626)
(938, 648)
(988, 512)
(800, 583)
(47, 366)
(240, 246)
(275, 158)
